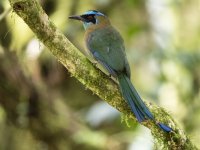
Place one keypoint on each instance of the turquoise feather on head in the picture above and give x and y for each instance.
(93, 12)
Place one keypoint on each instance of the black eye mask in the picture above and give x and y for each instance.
(89, 18)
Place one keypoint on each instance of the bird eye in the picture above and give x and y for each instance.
(90, 17)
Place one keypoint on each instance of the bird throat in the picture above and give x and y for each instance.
(86, 25)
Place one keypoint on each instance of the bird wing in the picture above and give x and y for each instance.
(107, 47)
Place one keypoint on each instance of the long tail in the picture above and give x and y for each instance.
(138, 107)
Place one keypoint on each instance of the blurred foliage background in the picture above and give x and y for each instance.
(43, 108)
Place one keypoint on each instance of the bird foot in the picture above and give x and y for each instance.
(94, 64)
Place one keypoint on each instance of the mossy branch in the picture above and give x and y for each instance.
(82, 69)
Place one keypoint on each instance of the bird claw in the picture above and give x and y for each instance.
(95, 64)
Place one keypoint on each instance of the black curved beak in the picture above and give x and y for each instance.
(76, 18)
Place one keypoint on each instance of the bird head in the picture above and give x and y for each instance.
(92, 19)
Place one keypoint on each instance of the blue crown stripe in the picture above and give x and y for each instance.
(93, 12)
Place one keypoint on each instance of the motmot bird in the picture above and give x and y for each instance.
(106, 46)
